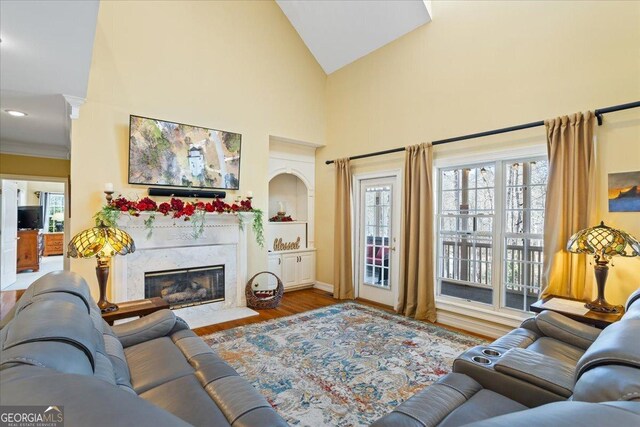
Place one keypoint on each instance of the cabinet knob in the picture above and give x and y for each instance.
(279, 261)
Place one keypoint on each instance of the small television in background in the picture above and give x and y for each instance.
(30, 217)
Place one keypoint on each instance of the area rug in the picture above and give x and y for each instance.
(343, 365)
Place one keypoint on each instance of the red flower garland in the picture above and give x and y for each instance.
(177, 207)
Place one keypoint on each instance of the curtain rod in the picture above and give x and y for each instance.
(598, 113)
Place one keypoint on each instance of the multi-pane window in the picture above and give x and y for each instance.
(466, 219)
(53, 204)
(525, 194)
(473, 202)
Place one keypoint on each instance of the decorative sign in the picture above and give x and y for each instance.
(286, 236)
(279, 245)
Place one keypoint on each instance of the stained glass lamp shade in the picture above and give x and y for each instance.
(603, 243)
(102, 243)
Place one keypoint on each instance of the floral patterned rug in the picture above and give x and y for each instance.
(343, 365)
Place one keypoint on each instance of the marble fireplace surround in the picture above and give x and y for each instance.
(171, 245)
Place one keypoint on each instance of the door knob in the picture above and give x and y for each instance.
(393, 248)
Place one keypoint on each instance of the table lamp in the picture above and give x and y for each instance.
(603, 243)
(101, 242)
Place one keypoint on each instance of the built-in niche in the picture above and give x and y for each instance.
(289, 192)
(291, 188)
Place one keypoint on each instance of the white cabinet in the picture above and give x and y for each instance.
(306, 271)
(275, 266)
(293, 268)
(289, 270)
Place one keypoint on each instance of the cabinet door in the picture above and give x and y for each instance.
(289, 269)
(306, 267)
(275, 266)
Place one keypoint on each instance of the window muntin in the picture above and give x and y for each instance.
(525, 194)
(473, 224)
(465, 229)
(377, 224)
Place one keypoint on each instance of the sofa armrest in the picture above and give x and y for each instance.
(431, 405)
(537, 369)
(560, 327)
(156, 325)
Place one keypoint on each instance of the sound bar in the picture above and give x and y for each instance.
(187, 192)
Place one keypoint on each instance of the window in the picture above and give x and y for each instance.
(53, 204)
(485, 210)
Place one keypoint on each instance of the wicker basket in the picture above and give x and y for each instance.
(262, 298)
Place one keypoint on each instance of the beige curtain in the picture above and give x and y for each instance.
(570, 203)
(416, 294)
(342, 268)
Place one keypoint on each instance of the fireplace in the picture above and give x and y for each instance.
(186, 287)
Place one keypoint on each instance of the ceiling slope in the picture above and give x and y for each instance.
(340, 32)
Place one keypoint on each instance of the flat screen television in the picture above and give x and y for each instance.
(177, 155)
(30, 217)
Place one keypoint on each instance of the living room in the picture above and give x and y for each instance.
(402, 181)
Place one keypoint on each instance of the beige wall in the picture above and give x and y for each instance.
(13, 164)
(237, 66)
(486, 65)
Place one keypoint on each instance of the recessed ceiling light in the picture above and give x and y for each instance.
(15, 113)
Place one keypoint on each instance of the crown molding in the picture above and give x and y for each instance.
(34, 150)
(74, 103)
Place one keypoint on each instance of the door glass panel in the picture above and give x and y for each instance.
(377, 227)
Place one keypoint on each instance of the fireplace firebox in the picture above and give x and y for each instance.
(186, 287)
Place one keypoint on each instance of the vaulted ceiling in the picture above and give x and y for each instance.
(340, 32)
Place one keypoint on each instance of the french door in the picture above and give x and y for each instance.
(377, 231)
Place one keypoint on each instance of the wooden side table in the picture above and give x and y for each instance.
(137, 308)
(599, 320)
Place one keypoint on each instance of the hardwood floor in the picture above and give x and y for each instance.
(292, 303)
(8, 299)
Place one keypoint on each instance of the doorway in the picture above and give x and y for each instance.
(376, 236)
(33, 218)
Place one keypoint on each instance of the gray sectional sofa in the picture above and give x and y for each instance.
(57, 350)
(571, 374)
(154, 371)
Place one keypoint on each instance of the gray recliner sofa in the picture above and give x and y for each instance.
(57, 350)
(570, 373)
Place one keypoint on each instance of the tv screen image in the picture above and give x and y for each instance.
(29, 217)
(178, 155)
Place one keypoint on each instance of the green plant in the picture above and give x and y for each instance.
(107, 215)
(258, 227)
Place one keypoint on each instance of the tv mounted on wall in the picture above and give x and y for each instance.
(178, 155)
(29, 217)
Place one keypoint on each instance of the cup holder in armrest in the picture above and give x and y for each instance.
(481, 360)
(491, 352)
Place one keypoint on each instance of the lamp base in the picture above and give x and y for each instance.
(107, 307)
(602, 306)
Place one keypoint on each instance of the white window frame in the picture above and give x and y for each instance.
(491, 312)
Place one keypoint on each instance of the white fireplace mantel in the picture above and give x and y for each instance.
(171, 244)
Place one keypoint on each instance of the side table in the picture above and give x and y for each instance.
(137, 308)
(573, 308)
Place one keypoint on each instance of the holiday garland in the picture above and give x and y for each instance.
(190, 211)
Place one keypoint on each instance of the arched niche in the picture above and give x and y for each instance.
(290, 189)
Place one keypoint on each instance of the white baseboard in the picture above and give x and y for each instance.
(298, 287)
(327, 287)
(472, 324)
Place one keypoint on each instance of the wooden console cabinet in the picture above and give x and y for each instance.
(28, 250)
(53, 243)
